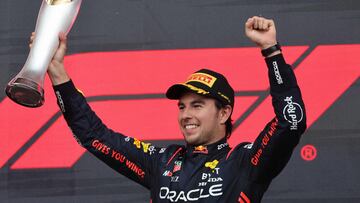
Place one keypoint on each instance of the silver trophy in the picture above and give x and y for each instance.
(54, 16)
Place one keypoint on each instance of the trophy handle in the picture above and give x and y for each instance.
(54, 16)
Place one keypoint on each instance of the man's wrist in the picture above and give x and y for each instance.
(270, 51)
(57, 73)
(273, 54)
(57, 80)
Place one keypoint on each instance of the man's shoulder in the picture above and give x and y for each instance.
(240, 149)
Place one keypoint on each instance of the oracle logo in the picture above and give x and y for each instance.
(126, 89)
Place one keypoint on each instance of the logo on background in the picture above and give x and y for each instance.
(34, 146)
(308, 152)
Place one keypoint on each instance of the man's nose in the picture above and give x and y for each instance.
(186, 113)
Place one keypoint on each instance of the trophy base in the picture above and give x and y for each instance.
(25, 92)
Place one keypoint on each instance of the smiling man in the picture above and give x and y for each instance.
(206, 169)
(204, 108)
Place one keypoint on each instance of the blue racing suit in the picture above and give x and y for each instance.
(214, 173)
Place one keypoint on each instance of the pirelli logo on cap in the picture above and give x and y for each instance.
(203, 78)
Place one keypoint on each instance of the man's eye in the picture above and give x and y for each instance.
(181, 107)
(197, 106)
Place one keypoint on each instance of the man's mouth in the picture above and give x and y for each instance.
(190, 126)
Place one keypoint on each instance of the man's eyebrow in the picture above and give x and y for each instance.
(198, 101)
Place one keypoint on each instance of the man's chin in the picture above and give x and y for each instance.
(194, 142)
(191, 139)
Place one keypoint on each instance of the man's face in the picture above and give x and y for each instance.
(200, 121)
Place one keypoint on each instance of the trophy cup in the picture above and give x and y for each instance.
(55, 16)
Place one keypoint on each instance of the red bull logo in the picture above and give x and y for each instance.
(201, 149)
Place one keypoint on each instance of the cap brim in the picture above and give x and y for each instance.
(175, 91)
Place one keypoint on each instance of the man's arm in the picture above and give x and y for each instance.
(128, 156)
(273, 147)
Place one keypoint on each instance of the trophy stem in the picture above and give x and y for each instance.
(25, 92)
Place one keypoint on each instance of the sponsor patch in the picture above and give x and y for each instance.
(162, 150)
(61, 102)
(167, 173)
(203, 78)
(277, 73)
(201, 150)
(212, 165)
(220, 146)
(293, 113)
(177, 166)
(248, 146)
(146, 147)
(190, 196)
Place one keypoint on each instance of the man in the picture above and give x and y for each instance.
(206, 169)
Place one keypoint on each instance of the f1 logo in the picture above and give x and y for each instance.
(126, 90)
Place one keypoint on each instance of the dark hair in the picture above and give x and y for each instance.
(228, 124)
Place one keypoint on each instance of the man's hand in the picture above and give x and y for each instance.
(261, 31)
(56, 70)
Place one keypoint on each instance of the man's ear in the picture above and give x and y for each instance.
(225, 113)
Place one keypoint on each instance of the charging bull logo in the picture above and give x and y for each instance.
(201, 149)
(47, 142)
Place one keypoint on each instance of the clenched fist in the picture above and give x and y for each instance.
(261, 31)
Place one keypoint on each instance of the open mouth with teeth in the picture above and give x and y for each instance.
(190, 126)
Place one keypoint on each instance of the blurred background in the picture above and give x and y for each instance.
(124, 54)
